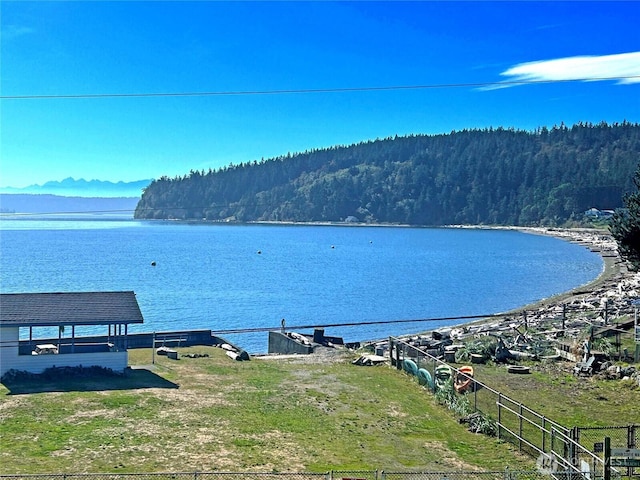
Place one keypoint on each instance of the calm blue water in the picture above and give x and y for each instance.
(212, 276)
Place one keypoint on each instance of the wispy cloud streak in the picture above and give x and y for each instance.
(14, 31)
(623, 67)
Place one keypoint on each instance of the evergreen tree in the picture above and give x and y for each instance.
(494, 176)
(625, 225)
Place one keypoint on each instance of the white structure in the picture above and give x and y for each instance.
(26, 311)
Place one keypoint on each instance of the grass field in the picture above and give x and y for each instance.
(568, 399)
(287, 414)
(212, 414)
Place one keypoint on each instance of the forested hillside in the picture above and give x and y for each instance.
(491, 176)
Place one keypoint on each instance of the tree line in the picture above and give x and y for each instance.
(549, 176)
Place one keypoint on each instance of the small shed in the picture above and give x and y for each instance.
(61, 313)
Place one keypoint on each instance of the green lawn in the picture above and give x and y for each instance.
(553, 391)
(214, 414)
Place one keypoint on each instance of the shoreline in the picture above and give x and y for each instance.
(616, 283)
(598, 241)
(614, 269)
(615, 287)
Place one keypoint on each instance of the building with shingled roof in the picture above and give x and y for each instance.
(22, 315)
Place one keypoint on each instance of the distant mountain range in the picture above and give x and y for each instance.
(70, 187)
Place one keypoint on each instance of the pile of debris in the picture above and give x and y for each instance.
(568, 328)
(616, 372)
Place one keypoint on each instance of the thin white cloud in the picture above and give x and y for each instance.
(623, 67)
(13, 31)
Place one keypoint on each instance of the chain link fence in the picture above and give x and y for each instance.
(331, 475)
(504, 475)
(621, 436)
(591, 438)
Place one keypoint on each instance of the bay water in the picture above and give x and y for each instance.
(223, 277)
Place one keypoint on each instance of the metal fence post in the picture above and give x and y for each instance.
(607, 458)
(499, 403)
(574, 440)
(433, 376)
(475, 395)
(520, 428)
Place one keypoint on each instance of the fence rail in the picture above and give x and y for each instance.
(532, 432)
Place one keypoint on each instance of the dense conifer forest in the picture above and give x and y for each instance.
(549, 176)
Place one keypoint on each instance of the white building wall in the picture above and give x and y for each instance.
(116, 361)
(9, 358)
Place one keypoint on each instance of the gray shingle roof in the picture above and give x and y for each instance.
(73, 308)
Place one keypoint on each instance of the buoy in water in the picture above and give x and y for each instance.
(259, 252)
(153, 264)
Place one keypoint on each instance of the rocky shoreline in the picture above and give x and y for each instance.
(617, 284)
(558, 321)
(564, 318)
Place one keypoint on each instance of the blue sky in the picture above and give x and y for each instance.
(61, 54)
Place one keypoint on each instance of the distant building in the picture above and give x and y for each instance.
(594, 213)
(22, 313)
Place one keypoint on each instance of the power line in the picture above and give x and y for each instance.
(505, 83)
(130, 210)
(355, 324)
(82, 212)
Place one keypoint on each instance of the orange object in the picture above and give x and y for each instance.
(463, 379)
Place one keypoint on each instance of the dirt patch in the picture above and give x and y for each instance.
(448, 458)
(320, 354)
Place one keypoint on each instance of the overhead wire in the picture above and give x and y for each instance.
(355, 324)
(501, 83)
(125, 210)
(275, 92)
